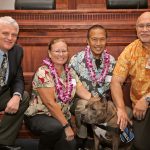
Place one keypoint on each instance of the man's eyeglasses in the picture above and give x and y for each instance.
(142, 26)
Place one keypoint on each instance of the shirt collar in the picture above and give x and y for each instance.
(2, 53)
(101, 57)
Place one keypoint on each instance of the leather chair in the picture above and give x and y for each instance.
(35, 4)
(126, 4)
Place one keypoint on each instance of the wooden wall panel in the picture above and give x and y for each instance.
(33, 58)
(92, 4)
(27, 67)
(62, 4)
(83, 4)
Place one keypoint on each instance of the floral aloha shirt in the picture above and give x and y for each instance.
(43, 78)
(78, 63)
(132, 62)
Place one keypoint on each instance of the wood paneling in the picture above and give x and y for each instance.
(62, 4)
(83, 4)
(93, 4)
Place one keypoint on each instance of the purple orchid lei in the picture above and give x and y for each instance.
(100, 79)
(64, 94)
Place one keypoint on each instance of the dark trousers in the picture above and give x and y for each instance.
(52, 135)
(10, 123)
(142, 133)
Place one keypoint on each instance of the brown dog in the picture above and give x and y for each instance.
(102, 112)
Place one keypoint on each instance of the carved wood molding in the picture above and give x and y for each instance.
(44, 18)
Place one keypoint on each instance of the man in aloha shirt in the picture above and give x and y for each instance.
(96, 38)
(78, 63)
(134, 63)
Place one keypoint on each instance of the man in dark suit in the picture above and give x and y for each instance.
(13, 99)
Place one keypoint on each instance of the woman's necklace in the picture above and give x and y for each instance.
(99, 79)
(64, 94)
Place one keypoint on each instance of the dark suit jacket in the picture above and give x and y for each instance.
(15, 78)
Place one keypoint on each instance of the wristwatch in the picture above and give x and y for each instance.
(147, 99)
(66, 126)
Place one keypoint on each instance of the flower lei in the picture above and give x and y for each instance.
(64, 94)
(89, 65)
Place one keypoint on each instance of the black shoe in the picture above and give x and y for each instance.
(80, 143)
(8, 147)
(89, 144)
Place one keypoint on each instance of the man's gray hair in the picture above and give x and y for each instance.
(10, 21)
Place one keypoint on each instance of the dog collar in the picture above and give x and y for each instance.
(108, 128)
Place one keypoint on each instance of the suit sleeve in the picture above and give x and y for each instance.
(17, 82)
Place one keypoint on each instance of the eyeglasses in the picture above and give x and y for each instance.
(142, 26)
(59, 51)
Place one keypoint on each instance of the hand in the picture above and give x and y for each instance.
(122, 119)
(13, 105)
(69, 134)
(140, 109)
(94, 99)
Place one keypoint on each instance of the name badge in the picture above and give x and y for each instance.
(108, 78)
(74, 82)
(147, 66)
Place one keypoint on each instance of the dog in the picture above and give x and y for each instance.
(103, 113)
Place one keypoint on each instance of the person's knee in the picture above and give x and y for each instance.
(73, 144)
(24, 102)
(25, 98)
(55, 130)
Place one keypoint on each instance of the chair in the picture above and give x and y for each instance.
(35, 4)
(126, 4)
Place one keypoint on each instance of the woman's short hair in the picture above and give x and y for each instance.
(55, 41)
(10, 21)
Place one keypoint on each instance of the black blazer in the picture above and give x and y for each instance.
(15, 78)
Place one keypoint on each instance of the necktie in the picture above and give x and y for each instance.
(3, 70)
